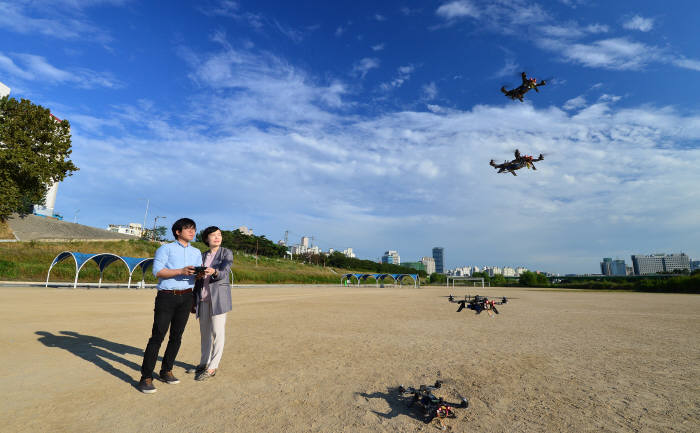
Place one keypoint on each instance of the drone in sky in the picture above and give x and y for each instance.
(520, 91)
(478, 303)
(431, 405)
(520, 161)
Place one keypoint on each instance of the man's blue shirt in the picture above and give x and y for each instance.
(175, 256)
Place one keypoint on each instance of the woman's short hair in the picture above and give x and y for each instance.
(207, 231)
(182, 223)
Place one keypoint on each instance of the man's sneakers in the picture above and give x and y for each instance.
(167, 377)
(146, 385)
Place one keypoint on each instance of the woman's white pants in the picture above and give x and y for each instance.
(212, 330)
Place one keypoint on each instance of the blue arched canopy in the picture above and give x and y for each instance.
(379, 278)
(102, 260)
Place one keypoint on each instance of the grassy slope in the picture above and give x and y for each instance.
(29, 261)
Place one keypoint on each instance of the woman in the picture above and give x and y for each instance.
(213, 302)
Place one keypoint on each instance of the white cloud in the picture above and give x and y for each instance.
(639, 23)
(26, 17)
(366, 64)
(571, 30)
(614, 53)
(226, 8)
(291, 33)
(682, 62)
(430, 91)
(403, 75)
(457, 9)
(378, 47)
(340, 30)
(379, 17)
(37, 68)
(500, 16)
(509, 68)
(575, 103)
(597, 28)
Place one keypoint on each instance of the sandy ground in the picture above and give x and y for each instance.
(329, 359)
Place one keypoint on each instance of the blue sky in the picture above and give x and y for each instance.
(370, 124)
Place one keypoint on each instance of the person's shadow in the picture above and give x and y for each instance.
(98, 351)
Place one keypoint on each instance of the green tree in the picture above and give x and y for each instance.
(34, 153)
(532, 279)
(157, 235)
(498, 280)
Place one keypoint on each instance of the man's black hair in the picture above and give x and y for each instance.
(182, 223)
(207, 231)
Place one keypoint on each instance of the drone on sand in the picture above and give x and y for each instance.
(478, 303)
(432, 406)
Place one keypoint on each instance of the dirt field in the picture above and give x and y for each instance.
(328, 359)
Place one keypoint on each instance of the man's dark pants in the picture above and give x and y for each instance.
(171, 310)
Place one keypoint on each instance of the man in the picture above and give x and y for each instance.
(173, 265)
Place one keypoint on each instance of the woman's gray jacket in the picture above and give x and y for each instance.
(219, 287)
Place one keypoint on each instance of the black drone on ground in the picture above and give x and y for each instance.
(520, 91)
(431, 405)
(520, 161)
(478, 303)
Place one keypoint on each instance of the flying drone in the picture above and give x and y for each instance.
(520, 161)
(520, 91)
(478, 303)
(432, 406)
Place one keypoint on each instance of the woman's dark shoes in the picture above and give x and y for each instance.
(204, 375)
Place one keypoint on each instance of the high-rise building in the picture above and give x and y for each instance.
(4, 90)
(655, 263)
(439, 257)
(391, 257)
(694, 265)
(613, 267)
(429, 264)
(348, 253)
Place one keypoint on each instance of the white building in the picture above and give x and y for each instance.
(429, 264)
(245, 230)
(348, 253)
(508, 272)
(391, 257)
(305, 241)
(519, 271)
(133, 229)
(4, 90)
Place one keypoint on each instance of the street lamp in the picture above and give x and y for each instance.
(146, 214)
(153, 232)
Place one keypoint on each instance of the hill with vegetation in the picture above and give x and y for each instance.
(29, 261)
